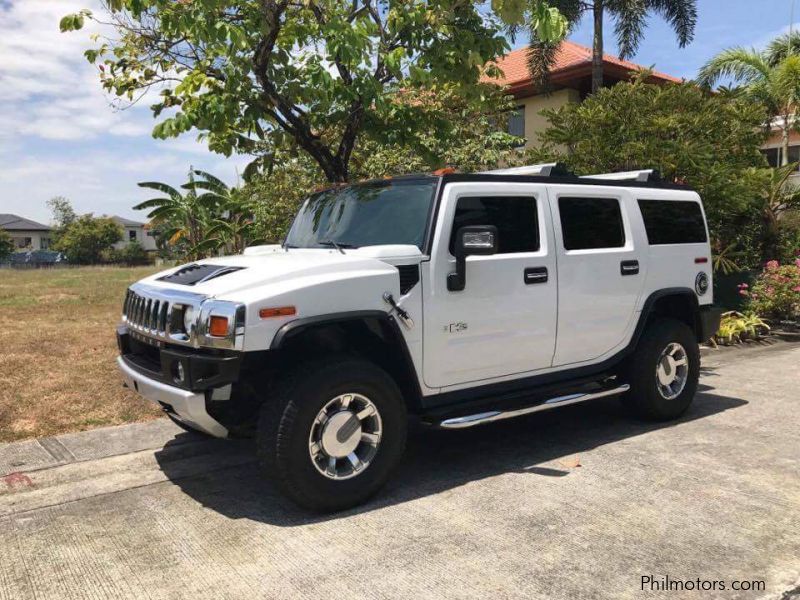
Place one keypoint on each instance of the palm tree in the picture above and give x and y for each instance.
(630, 21)
(771, 78)
(187, 215)
(232, 227)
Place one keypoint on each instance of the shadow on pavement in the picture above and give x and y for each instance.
(435, 460)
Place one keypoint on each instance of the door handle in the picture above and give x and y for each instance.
(629, 267)
(535, 275)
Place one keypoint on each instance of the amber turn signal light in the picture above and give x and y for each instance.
(218, 326)
(280, 311)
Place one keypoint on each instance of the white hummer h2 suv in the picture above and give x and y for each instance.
(460, 298)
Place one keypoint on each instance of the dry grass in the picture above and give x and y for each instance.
(58, 350)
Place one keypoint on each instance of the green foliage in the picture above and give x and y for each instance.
(134, 255)
(63, 215)
(735, 326)
(314, 75)
(710, 142)
(776, 291)
(6, 244)
(85, 239)
(548, 24)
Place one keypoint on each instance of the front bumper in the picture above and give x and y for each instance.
(189, 407)
(180, 381)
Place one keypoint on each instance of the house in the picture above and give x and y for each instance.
(26, 234)
(570, 81)
(135, 232)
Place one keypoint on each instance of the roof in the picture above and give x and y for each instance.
(127, 222)
(11, 222)
(571, 60)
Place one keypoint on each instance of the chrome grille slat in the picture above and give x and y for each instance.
(149, 311)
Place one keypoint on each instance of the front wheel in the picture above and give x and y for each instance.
(664, 372)
(332, 433)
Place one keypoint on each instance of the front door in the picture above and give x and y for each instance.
(504, 320)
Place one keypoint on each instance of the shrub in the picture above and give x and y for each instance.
(6, 244)
(776, 291)
(735, 326)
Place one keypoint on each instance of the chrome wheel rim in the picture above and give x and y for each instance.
(345, 436)
(672, 371)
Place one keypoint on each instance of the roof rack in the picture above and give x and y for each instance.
(644, 175)
(554, 169)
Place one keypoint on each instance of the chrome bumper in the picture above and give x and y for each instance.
(189, 407)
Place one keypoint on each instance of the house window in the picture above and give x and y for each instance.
(516, 122)
(131, 235)
(45, 243)
(794, 154)
(22, 242)
(773, 156)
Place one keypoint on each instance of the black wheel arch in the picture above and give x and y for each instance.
(372, 334)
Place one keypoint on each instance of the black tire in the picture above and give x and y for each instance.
(287, 418)
(644, 398)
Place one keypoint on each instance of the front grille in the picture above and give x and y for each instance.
(145, 313)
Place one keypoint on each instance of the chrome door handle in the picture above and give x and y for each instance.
(535, 275)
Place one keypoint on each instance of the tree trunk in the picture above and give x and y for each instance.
(597, 48)
(785, 142)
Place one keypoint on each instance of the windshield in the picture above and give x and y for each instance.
(394, 212)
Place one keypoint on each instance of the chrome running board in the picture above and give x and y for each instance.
(499, 415)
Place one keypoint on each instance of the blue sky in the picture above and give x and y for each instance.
(60, 135)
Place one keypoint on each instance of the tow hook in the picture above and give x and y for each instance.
(405, 318)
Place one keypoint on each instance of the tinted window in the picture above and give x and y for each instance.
(514, 216)
(394, 212)
(771, 154)
(673, 222)
(591, 223)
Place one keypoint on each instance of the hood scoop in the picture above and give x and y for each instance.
(194, 274)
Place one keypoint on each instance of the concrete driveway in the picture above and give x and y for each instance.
(577, 503)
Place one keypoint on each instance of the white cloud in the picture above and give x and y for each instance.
(60, 133)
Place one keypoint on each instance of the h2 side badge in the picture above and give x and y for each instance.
(455, 327)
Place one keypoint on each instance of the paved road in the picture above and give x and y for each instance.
(576, 503)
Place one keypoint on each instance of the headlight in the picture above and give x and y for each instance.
(188, 318)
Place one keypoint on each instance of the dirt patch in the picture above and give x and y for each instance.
(58, 351)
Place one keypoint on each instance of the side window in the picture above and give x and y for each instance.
(514, 216)
(673, 222)
(591, 223)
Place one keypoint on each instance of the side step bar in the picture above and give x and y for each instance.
(499, 415)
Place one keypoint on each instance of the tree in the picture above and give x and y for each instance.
(710, 142)
(63, 214)
(187, 215)
(777, 198)
(318, 74)
(232, 225)
(630, 22)
(6, 244)
(84, 240)
(770, 78)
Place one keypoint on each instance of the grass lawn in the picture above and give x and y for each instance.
(58, 351)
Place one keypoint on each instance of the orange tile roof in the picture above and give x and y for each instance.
(570, 56)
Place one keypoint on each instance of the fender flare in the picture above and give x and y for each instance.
(407, 368)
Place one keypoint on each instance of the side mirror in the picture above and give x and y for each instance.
(474, 240)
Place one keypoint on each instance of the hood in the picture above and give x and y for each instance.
(274, 267)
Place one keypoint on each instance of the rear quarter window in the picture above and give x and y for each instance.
(673, 222)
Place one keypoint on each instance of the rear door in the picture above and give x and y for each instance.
(504, 321)
(601, 270)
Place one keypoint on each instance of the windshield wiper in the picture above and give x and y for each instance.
(338, 245)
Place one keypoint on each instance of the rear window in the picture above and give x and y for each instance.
(673, 222)
(591, 223)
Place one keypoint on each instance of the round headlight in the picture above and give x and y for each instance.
(701, 283)
(188, 318)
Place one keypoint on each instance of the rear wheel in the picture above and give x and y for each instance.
(664, 372)
(332, 433)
